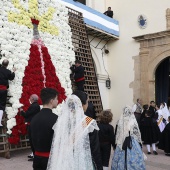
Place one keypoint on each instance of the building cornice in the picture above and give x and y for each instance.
(152, 36)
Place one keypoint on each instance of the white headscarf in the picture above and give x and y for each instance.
(71, 147)
(165, 111)
(126, 124)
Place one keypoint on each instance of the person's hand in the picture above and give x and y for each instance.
(140, 145)
(21, 109)
(14, 69)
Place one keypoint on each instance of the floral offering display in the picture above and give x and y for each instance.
(36, 39)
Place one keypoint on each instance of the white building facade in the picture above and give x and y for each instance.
(121, 62)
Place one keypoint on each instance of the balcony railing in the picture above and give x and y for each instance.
(97, 23)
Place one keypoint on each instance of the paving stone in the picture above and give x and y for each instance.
(19, 161)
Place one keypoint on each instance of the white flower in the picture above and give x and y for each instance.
(15, 43)
(9, 131)
(11, 123)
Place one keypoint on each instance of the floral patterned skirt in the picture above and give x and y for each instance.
(135, 159)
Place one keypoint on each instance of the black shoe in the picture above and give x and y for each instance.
(155, 153)
(31, 159)
(149, 153)
(29, 156)
(167, 154)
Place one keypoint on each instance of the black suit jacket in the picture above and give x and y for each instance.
(78, 72)
(109, 14)
(95, 150)
(153, 111)
(90, 110)
(106, 133)
(31, 112)
(42, 130)
(5, 76)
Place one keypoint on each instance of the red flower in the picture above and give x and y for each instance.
(15, 131)
(34, 21)
(33, 83)
(51, 78)
(14, 140)
(23, 129)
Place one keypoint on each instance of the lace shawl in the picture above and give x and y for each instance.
(127, 123)
(71, 147)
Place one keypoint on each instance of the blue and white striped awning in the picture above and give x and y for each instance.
(94, 18)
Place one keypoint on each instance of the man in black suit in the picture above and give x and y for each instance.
(78, 71)
(109, 12)
(42, 128)
(28, 115)
(152, 109)
(5, 76)
(90, 112)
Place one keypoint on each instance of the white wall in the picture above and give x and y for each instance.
(99, 5)
(120, 60)
(101, 73)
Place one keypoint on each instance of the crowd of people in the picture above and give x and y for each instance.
(81, 139)
(153, 122)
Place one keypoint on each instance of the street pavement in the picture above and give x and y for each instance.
(157, 162)
(19, 161)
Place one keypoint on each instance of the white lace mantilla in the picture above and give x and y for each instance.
(126, 124)
(71, 147)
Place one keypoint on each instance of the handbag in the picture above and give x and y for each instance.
(127, 144)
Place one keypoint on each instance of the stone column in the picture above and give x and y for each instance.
(151, 95)
(144, 84)
(168, 19)
(135, 85)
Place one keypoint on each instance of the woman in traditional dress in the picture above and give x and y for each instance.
(160, 118)
(128, 154)
(165, 111)
(164, 142)
(71, 148)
